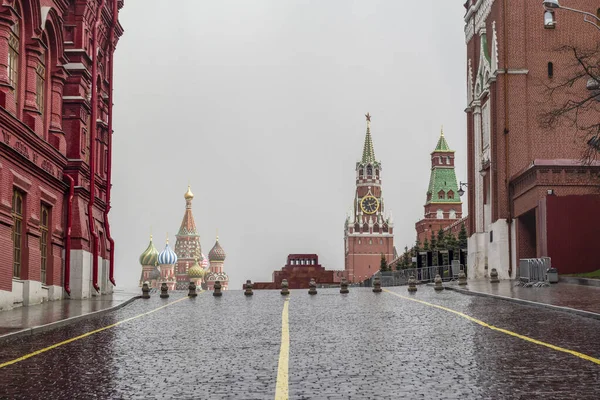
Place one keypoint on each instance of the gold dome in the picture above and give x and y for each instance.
(189, 195)
(196, 271)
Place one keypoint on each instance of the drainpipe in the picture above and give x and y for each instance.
(111, 273)
(506, 143)
(67, 283)
(93, 118)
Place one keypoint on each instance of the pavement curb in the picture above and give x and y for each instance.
(579, 281)
(587, 314)
(63, 322)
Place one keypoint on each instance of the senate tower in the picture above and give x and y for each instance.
(368, 230)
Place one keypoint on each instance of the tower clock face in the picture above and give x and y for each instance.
(369, 204)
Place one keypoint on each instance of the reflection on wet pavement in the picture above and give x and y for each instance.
(360, 345)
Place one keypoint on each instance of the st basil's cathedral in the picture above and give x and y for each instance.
(186, 262)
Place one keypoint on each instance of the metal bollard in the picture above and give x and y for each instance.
(377, 285)
(438, 283)
(217, 289)
(285, 287)
(192, 289)
(344, 286)
(145, 291)
(164, 291)
(412, 284)
(248, 288)
(312, 286)
(462, 278)
(494, 276)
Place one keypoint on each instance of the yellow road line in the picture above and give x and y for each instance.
(37, 352)
(505, 331)
(281, 389)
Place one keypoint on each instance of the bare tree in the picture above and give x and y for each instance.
(571, 106)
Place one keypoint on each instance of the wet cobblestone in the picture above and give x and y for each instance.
(356, 346)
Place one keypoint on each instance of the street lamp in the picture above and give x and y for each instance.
(460, 190)
(554, 4)
(551, 4)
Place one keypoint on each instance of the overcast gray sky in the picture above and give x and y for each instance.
(260, 105)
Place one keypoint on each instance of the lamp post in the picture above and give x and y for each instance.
(554, 5)
(461, 190)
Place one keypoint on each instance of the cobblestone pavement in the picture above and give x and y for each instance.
(357, 346)
(40, 314)
(586, 298)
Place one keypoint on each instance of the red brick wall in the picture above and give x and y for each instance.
(527, 46)
(364, 259)
(6, 258)
(33, 147)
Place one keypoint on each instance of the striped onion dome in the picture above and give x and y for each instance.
(150, 255)
(204, 262)
(217, 253)
(196, 271)
(167, 256)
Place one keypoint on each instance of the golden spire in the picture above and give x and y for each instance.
(442, 134)
(189, 195)
(368, 152)
(217, 234)
(167, 237)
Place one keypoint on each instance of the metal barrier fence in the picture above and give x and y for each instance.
(534, 269)
(423, 275)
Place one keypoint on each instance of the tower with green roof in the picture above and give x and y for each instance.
(443, 205)
(368, 230)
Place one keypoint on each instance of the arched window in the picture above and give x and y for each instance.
(359, 241)
(549, 20)
(452, 214)
(44, 222)
(40, 82)
(17, 233)
(441, 194)
(440, 214)
(550, 70)
(450, 195)
(14, 45)
(370, 241)
(369, 170)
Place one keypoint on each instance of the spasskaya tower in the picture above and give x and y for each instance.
(368, 231)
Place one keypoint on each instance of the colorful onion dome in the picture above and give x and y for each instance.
(155, 274)
(196, 271)
(217, 253)
(188, 195)
(150, 255)
(167, 256)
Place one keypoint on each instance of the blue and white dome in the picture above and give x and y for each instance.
(167, 256)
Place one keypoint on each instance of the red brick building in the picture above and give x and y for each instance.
(516, 168)
(299, 270)
(443, 206)
(368, 230)
(56, 63)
